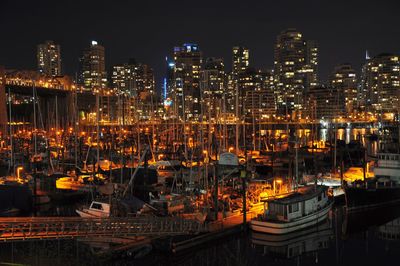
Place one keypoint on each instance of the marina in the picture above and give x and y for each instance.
(131, 135)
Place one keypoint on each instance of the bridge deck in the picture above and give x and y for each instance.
(26, 228)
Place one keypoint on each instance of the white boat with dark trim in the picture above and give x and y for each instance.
(96, 209)
(308, 206)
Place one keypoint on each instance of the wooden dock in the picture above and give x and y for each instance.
(42, 228)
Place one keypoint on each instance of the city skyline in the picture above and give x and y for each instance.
(335, 45)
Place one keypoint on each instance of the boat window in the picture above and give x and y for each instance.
(277, 208)
(293, 207)
(97, 206)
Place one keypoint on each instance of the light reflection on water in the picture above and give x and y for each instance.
(327, 134)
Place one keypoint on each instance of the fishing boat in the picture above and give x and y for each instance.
(308, 206)
(390, 230)
(383, 190)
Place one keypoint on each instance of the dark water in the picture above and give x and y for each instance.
(371, 238)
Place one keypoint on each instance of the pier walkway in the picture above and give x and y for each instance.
(43, 228)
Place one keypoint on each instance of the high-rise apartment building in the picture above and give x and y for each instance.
(49, 59)
(240, 59)
(295, 69)
(136, 80)
(381, 84)
(92, 74)
(326, 102)
(168, 82)
(234, 90)
(133, 79)
(257, 94)
(186, 89)
(212, 87)
(344, 81)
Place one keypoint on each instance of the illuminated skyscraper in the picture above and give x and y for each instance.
(326, 102)
(295, 69)
(186, 90)
(168, 79)
(136, 80)
(49, 59)
(344, 81)
(213, 88)
(240, 59)
(234, 90)
(92, 68)
(257, 94)
(381, 83)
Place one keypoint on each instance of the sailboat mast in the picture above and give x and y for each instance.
(11, 164)
(34, 119)
(98, 126)
(76, 118)
(237, 120)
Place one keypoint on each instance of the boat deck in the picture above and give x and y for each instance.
(302, 194)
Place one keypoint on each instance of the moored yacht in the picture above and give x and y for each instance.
(303, 208)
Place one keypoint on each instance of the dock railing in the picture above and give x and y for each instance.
(38, 228)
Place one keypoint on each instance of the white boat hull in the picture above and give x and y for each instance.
(271, 227)
(90, 213)
(85, 214)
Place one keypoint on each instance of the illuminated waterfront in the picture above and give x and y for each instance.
(345, 241)
(209, 133)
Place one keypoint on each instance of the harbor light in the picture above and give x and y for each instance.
(19, 169)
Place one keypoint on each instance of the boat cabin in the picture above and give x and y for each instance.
(99, 209)
(305, 201)
(388, 166)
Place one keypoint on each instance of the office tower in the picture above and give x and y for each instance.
(212, 87)
(381, 81)
(49, 59)
(344, 81)
(295, 69)
(93, 73)
(186, 91)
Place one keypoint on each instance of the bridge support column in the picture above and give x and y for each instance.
(3, 102)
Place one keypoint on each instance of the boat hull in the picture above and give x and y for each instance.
(15, 196)
(87, 214)
(271, 227)
(361, 199)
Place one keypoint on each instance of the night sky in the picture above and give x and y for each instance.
(148, 30)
